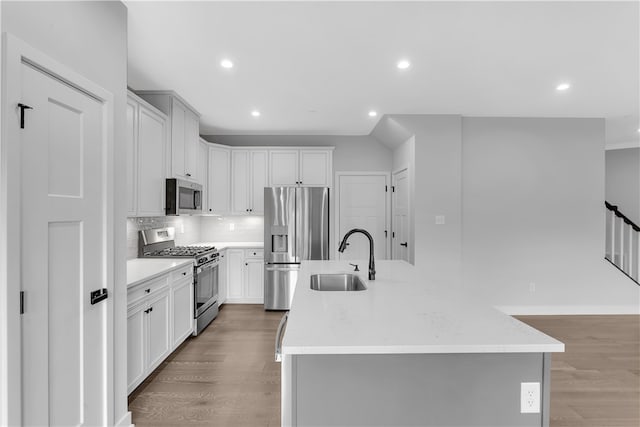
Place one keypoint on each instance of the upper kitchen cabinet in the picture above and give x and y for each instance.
(307, 167)
(203, 172)
(249, 176)
(146, 142)
(184, 142)
(219, 182)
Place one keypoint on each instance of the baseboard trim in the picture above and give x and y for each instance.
(125, 421)
(533, 310)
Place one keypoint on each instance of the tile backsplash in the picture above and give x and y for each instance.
(194, 229)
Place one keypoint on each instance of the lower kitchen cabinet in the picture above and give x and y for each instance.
(222, 278)
(245, 276)
(159, 319)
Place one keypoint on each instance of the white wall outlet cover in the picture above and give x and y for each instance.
(530, 398)
(439, 219)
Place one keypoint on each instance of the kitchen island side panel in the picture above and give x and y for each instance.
(416, 389)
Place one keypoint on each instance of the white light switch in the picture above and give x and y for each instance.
(439, 219)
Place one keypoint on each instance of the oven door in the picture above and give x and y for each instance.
(206, 287)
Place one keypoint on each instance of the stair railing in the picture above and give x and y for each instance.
(622, 242)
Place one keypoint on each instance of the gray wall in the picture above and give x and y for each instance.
(91, 39)
(533, 215)
(622, 183)
(352, 153)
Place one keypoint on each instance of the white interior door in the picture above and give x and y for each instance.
(362, 203)
(64, 253)
(401, 237)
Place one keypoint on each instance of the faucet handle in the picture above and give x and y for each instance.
(356, 267)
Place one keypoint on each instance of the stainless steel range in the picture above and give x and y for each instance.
(160, 243)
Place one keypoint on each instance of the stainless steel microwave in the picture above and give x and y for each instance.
(183, 197)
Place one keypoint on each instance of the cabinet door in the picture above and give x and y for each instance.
(240, 181)
(152, 133)
(259, 180)
(255, 280)
(283, 167)
(316, 168)
(203, 171)
(219, 185)
(222, 278)
(159, 329)
(182, 303)
(136, 346)
(191, 144)
(177, 139)
(132, 156)
(235, 274)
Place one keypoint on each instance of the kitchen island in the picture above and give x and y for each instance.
(403, 352)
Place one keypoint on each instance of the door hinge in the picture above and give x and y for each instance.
(21, 302)
(23, 107)
(393, 188)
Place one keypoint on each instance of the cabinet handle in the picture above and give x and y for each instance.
(184, 273)
(188, 174)
(146, 291)
(209, 209)
(150, 309)
(246, 263)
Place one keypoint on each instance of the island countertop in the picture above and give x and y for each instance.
(399, 313)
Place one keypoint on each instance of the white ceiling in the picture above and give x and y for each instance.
(319, 67)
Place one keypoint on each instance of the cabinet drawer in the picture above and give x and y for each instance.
(182, 272)
(254, 253)
(145, 289)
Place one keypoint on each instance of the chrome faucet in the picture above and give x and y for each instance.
(372, 261)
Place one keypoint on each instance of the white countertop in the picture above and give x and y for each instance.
(399, 314)
(231, 245)
(143, 269)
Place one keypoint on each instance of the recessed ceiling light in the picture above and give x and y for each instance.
(404, 64)
(226, 63)
(372, 113)
(255, 113)
(563, 86)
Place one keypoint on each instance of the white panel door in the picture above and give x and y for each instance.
(203, 172)
(182, 301)
(259, 179)
(315, 168)
(132, 157)
(222, 278)
(64, 225)
(219, 182)
(363, 204)
(240, 181)
(235, 276)
(283, 165)
(152, 133)
(400, 210)
(136, 346)
(159, 329)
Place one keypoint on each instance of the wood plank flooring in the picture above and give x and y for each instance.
(596, 382)
(227, 376)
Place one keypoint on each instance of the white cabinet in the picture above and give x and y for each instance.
(245, 272)
(222, 278)
(159, 319)
(249, 176)
(145, 168)
(308, 167)
(182, 307)
(203, 172)
(182, 148)
(219, 182)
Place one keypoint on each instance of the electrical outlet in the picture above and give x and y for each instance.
(439, 219)
(530, 398)
(532, 287)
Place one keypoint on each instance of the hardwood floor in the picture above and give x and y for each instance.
(596, 382)
(227, 376)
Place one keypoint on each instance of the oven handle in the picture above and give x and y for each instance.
(208, 266)
(283, 322)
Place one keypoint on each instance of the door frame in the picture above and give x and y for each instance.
(15, 52)
(336, 210)
(411, 237)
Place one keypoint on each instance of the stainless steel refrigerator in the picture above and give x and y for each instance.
(296, 229)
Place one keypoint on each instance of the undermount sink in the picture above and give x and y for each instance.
(337, 282)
